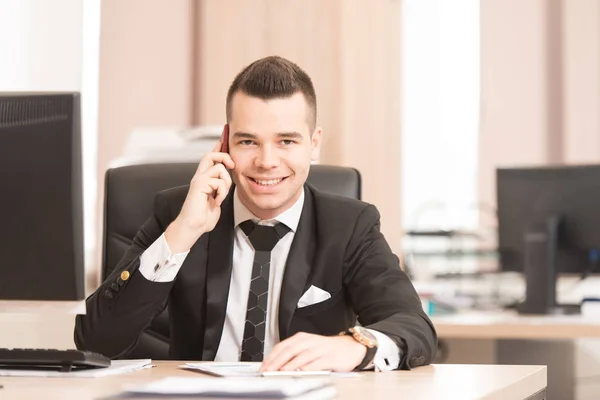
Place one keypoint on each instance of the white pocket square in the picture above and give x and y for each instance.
(312, 296)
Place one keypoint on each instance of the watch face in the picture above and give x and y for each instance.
(364, 336)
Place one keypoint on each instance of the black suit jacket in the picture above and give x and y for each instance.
(337, 247)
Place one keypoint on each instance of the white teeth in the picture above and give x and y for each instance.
(269, 182)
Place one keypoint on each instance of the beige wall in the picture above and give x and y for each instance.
(370, 105)
(145, 74)
(514, 84)
(540, 85)
(581, 30)
(233, 34)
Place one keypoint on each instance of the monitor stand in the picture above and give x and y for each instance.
(541, 243)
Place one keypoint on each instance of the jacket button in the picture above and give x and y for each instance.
(125, 275)
(115, 287)
(109, 294)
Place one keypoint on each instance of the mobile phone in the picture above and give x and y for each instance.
(225, 139)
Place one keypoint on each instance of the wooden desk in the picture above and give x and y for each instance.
(431, 382)
(42, 307)
(510, 325)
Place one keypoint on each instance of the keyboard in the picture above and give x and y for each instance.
(63, 360)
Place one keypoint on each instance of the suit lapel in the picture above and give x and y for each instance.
(298, 265)
(218, 277)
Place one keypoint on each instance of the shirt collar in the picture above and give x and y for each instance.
(290, 217)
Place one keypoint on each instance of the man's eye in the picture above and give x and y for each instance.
(246, 142)
(287, 142)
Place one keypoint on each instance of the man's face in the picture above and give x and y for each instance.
(272, 147)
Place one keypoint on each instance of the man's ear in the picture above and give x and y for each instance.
(316, 139)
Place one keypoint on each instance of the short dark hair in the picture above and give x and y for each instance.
(274, 78)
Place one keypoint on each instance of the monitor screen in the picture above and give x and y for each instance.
(529, 197)
(41, 239)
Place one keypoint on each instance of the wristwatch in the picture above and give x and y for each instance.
(366, 338)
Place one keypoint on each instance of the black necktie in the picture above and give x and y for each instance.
(263, 239)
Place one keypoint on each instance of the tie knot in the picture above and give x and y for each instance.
(262, 237)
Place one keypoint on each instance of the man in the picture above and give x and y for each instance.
(256, 265)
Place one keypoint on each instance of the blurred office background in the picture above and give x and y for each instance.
(425, 97)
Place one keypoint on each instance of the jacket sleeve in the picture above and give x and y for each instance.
(119, 310)
(383, 296)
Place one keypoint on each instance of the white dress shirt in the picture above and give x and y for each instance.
(159, 265)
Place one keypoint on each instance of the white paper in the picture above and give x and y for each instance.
(252, 370)
(234, 387)
(117, 367)
(226, 369)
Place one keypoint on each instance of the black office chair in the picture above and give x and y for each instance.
(129, 200)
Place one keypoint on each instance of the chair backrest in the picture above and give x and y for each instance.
(129, 201)
(130, 191)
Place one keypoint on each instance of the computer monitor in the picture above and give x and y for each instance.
(41, 240)
(548, 223)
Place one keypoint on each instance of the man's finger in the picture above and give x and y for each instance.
(282, 358)
(219, 171)
(319, 364)
(302, 360)
(211, 159)
(217, 147)
(279, 349)
(213, 187)
(224, 174)
(222, 191)
(285, 354)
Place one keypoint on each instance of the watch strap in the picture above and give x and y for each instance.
(369, 356)
(368, 359)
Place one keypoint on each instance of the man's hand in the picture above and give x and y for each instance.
(308, 352)
(202, 207)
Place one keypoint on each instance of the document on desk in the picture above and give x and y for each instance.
(252, 370)
(117, 367)
(226, 369)
(245, 370)
(232, 388)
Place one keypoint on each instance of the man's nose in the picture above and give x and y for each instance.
(267, 157)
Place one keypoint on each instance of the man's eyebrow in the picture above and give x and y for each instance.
(289, 135)
(244, 135)
(280, 135)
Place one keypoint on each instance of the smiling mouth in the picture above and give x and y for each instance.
(268, 182)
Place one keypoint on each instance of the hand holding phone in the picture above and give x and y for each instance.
(202, 207)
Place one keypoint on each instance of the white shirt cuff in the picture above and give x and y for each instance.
(387, 357)
(157, 264)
